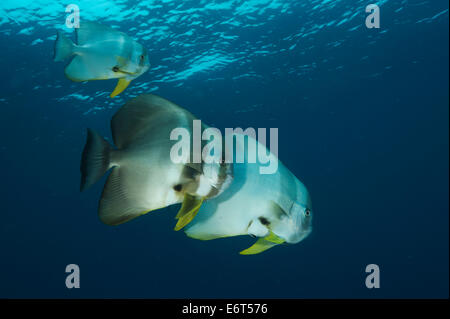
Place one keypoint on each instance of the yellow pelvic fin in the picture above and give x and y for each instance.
(263, 244)
(121, 86)
(190, 207)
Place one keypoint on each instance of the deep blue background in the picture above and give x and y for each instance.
(372, 150)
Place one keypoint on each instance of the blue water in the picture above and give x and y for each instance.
(363, 118)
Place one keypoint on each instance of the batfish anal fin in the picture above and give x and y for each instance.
(121, 86)
(189, 208)
(124, 196)
(263, 244)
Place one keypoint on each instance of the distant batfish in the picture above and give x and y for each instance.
(143, 176)
(102, 53)
(274, 207)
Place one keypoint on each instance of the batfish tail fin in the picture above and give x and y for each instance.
(64, 47)
(95, 160)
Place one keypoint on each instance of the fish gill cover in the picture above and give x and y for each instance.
(363, 118)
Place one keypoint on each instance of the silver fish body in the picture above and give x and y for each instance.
(272, 206)
(143, 175)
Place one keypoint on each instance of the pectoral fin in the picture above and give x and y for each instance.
(190, 207)
(121, 86)
(263, 244)
(121, 66)
(122, 62)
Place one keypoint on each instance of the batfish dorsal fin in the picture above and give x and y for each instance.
(90, 32)
(151, 116)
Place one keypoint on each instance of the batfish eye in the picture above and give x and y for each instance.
(307, 212)
(264, 221)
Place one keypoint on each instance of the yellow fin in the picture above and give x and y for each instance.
(190, 207)
(263, 244)
(121, 86)
(274, 238)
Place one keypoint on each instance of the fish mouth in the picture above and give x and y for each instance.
(129, 73)
(294, 231)
(297, 237)
(140, 71)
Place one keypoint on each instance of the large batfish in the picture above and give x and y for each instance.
(144, 176)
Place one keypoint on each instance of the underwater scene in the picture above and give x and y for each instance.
(224, 149)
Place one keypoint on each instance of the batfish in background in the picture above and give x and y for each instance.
(143, 176)
(274, 207)
(102, 53)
